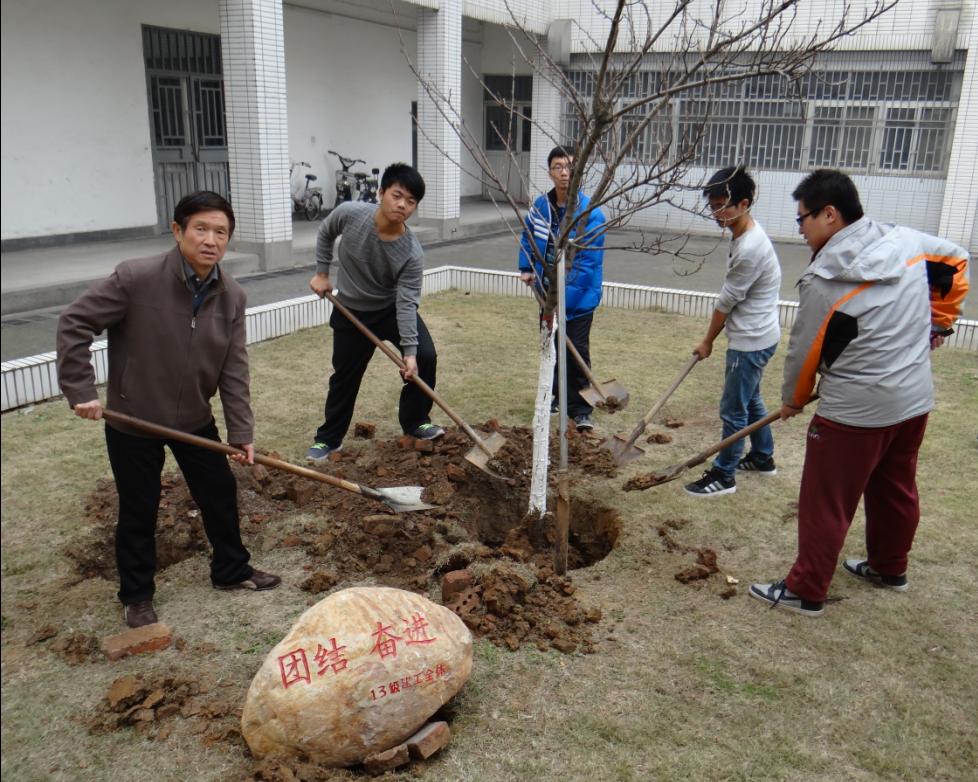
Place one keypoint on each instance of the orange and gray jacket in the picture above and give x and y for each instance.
(869, 302)
(165, 362)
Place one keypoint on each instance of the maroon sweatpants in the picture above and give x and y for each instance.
(842, 464)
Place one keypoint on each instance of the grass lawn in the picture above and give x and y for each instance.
(684, 685)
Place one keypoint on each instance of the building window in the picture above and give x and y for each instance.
(888, 120)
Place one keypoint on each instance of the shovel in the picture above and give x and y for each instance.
(626, 451)
(610, 396)
(399, 499)
(643, 482)
(485, 447)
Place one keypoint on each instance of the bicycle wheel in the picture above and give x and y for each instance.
(314, 205)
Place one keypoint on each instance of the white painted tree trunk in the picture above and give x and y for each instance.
(541, 423)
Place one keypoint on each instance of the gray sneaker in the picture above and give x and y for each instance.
(583, 423)
(777, 595)
(320, 452)
(860, 569)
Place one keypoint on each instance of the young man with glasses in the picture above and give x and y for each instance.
(583, 282)
(874, 301)
(748, 308)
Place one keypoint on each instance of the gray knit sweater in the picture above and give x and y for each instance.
(374, 274)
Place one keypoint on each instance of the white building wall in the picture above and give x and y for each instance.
(959, 220)
(76, 152)
(472, 119)
(915, 203)
(531, 15)
(908, 25)
(350, 90)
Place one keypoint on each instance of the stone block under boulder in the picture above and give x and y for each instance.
(358, 674)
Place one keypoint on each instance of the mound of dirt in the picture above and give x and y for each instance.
(478, 522)
(146, 704)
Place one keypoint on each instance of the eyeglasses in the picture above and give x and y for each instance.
(560, 168)
(801, 218)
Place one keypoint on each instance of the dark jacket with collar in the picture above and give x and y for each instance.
(165, 364)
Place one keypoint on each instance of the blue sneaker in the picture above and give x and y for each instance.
(428, 432)
(320, 452)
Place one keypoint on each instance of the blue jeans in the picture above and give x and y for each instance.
(742, 405)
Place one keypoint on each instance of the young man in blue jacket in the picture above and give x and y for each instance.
(583, 282)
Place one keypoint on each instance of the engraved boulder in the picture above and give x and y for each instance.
(358, 673)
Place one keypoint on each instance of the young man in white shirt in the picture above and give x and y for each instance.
(748, 309)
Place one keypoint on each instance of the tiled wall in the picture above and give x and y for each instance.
(257, 119)
(439, 108)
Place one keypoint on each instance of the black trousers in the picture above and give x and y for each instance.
(579, 333)
(136, 464)
(352, 352)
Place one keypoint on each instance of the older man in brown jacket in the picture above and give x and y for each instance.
(176, 333)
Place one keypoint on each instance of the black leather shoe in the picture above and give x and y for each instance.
(259, 581)
(140, 614)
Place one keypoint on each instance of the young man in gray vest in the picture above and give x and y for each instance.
(381, 269)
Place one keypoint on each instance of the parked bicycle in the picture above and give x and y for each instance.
(310, 201)
(347, 181)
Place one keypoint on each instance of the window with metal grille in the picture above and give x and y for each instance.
(883, 120)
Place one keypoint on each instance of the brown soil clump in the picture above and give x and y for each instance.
(478, 522)
(76, 647)
(151, 705)
(658, 438)
(646, 481)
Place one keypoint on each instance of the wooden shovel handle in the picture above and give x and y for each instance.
(641, 426)
(770, 418)
(230, 450)
(392, 355)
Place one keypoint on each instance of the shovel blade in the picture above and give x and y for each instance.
(621, 450)
(609, 396)
(404, 498)
(479, 458)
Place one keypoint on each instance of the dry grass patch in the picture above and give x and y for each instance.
(683, 685)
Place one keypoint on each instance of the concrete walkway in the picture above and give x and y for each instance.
(54, 276)
(60, 274)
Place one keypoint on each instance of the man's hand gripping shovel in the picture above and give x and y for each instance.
(398, 498)
(485, 448)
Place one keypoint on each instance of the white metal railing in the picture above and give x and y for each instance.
(34, 379)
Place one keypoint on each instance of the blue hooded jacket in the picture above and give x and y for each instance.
(584, 278)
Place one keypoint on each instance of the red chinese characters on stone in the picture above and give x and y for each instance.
(416, 629)
(331, 658)
(420, 679)
(294, 668)
(386, 643)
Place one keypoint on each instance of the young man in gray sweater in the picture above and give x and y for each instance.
(381, 269)
(748, 308)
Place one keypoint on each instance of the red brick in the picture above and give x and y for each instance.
(301, 491)
(380, 762)
(455, 582)
(427, 741)
(150, 638)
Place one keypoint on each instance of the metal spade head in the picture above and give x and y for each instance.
(609, 396)
(404, 498)
(621, 450)
(479, 455)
